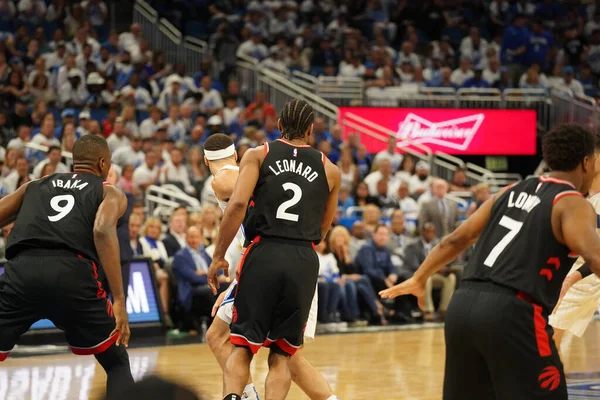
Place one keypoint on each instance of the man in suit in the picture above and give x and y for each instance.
(190, 266)
(398, 239)
(175, 238)
(414, 255)
(443, 214)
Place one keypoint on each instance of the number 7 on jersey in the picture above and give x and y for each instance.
(513, 229)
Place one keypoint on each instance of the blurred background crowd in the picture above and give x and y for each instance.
(64, 73)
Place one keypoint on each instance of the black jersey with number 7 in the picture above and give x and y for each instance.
(291, 192)
(58, 212)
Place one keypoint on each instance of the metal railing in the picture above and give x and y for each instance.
(44, 149)
(163, 35)
(169, 197)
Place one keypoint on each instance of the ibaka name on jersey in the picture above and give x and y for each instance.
(294, 166)
(524, 201)
(71, 183)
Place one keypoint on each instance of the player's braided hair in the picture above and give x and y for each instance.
(296, 117)
(565, 146)
(218, 141)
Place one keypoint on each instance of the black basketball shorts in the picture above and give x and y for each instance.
(59, 286)
(499, 347)
(274, 294)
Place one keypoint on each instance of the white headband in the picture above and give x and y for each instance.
(212, 155)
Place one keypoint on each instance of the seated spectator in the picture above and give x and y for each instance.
(375, 260)
(362, 196)
(406, 169)
(118, 139)
(473, 46)
(136, 94)
(415, 254)
(371, 217)
(150, 125)
(358, 238)
(384, 200)
(570, 84)
(253, 46)
(126, 180)
(209, 218)
(459, 181)
(54, 157)
(345, 199)
(14, 89)
(439, 211)
(324, 147)
(260, 102)
(108, 123)
(147, 174)
(505, 81)
(129, 121)
(49, 169)
(460, 75)
(73, 93)
(174, 240)
(153, 248)
(390, 154)
(407, 55)
(190, 265)
(407, 204)
(419, 182)
(174, 172)
(197, 170)
(187, 82)
(353, 69)
(362, 159)
(334, 292)
(212, 102)
(532, 81)
(23, 137)
(232, 111)
(131, 153)
(491, 74)
(476, 81)
(542, 79)
(18, 177)
(171, 95)
(40, 89)
(337, 138)
(383, 172)
(433, 73)
(482, 194)
(399, 238)
(175, 127)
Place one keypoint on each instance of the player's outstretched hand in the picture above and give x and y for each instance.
(410, 286)
(122, 323)
(213, 279)
(218, 304)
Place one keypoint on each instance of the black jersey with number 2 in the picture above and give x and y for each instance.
(58, 212)
(518, 249)
(291, 192)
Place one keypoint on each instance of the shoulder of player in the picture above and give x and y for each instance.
(224, 184)
(571, 203)
(111, 191)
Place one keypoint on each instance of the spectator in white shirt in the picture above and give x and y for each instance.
(150, 125)
(80, 39)
(137, 94)
(147, 174)
(542, 78)
(492, 73)
(171, 95)
(211, 99)
(175, 127)
(105, 62)
(18, 177)
(175, 172)
(407, 204)
(84, 124)
(46, 135)
(569, 83)
(73, 93)
(407, 54)
(275, 61)
(131, 154)
(187, 82)
(63, 72)
(131, 40)
(390, 154)
(82, 59)
(23, 137)
(231, 110)
(32, 11)
(354, 69)
(384, 172)
(473, 46)
(119, 137)
(253, 47)
(420, 181)
(464, 72)
(57, 57)
(54, 157)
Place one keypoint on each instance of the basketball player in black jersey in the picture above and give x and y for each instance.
(294, 189)
(498, 341)
(63, 240)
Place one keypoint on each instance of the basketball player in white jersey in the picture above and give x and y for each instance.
(580, 293)
(220, 156)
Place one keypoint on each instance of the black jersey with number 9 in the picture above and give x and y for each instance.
(291, 192)
(58, 212)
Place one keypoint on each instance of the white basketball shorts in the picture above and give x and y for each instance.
(577, 308)
(226, 310)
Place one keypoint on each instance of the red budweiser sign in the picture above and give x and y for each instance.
(452, 131)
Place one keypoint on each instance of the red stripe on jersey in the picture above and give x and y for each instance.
(292, 144)
(506, 189)
(256, 240)
(555, 180)
(565, 194)
(539, 323)
(323, 158)
(265, 149)
(105, 183)
(285, 346)
(100, 293)
(239, 340)
(99, 348)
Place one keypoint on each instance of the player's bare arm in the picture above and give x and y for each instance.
(11, 204)
(447, 250)
(334, 179)
(234, 214)
(105, 237)
(574, 224)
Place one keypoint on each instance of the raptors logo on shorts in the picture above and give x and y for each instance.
(233, 314)
(549, 378)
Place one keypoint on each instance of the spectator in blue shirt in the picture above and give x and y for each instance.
(320, 130)
(476, 81)
(540, 42)
(514, 47)
(270, 128)
(375, 260)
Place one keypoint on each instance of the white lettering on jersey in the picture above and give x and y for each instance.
(69, 184)
(524, 201)
(295, 167)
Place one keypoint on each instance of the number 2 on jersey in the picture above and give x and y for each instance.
(282, 209)
(62, 210)
(513, 228)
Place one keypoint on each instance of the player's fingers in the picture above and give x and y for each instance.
(211, 284)
(126, 335)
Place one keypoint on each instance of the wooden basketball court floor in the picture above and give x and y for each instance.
(399, 365)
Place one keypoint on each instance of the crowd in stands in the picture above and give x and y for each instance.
(80, 78)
